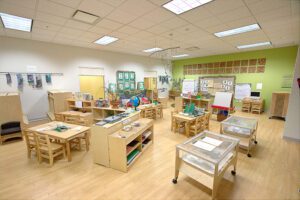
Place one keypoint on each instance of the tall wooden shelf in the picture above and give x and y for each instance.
(279, 105)
(126, 147)
(10, 106)
(57, 101)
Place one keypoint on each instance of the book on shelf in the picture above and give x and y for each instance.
(132, 155)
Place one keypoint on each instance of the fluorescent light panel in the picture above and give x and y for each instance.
(152, 50)
(106, 40)
(181, 6)
(180, 56)
(16, 23)
(254, 45)
(239, 30)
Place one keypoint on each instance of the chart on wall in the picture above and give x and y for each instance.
(212, 84)
(255, 65)
(125, 80)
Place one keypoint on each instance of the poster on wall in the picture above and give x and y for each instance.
(30, 79)
(20, 81)
(38, 81)
(48, 79)
(8, 79)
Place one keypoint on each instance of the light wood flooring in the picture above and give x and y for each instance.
(273, 172)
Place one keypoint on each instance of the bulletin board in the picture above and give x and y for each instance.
(125, 80)
(212, 84)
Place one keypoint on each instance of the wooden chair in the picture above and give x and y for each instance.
(76, 142)
(198, 125)
(59, 117)
(30, 140)
(206, 120)
(246, 105)
(148, 113)
(48, 150)
(159, 111)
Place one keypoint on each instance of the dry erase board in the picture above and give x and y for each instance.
(212, 84)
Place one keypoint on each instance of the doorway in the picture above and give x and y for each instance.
(93, 85)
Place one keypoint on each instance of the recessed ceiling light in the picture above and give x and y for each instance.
(239, 30)
(180, 56)
(16, 23)
(106, 40)
(152, 50)
(85, 17)
(254, 45)
(181, 6)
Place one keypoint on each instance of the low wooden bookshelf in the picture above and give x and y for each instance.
(126, 147)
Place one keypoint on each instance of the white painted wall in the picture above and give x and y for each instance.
(17, 54)
(292, 124)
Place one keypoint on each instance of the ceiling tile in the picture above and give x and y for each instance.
(141, 23)
(128, 30)
(158, 29)
(95, 7)
(43, 33)
(219, 7)
(77, 25)
(88, 37)
(137, 7)
(50, 18)
(260, 7)
(17, 34)
(114, 3)
(275, 14)
(196, 15)
(109, 24)
(119, 35)
(209, 22)
(158, 15)
(70, 31)
(99, 30)
(45, 25)
(39, 37)
(69, 3)
(235, 14)
(174, 23)
(122, 16)
(22, 3)
(55, 9)
(241, 22)
(16, 10)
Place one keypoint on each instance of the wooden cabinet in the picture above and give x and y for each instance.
(279, 104)
(10, 106)
(57, 101)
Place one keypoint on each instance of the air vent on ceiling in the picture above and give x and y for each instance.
(85, 17)
(192, 48)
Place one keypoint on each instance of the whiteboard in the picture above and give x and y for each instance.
(242, 90)
(189, 86)
(223, 99)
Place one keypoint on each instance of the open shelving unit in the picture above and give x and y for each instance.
(86, 105)
(126, 147)
(100, 113)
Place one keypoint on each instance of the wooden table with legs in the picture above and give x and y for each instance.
(188, 121)
(72, 132)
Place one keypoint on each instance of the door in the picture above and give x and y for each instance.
(93, 85)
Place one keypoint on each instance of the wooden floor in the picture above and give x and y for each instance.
(272, 173)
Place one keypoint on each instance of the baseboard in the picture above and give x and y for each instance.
(291, 139)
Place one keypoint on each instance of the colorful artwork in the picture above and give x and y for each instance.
(20, 81)
(8, 79)
(30, 79)
(38, 81)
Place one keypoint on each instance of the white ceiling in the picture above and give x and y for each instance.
(143, 24)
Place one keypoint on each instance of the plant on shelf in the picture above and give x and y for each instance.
(114, 99)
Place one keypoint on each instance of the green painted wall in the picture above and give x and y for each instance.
(280, 62)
